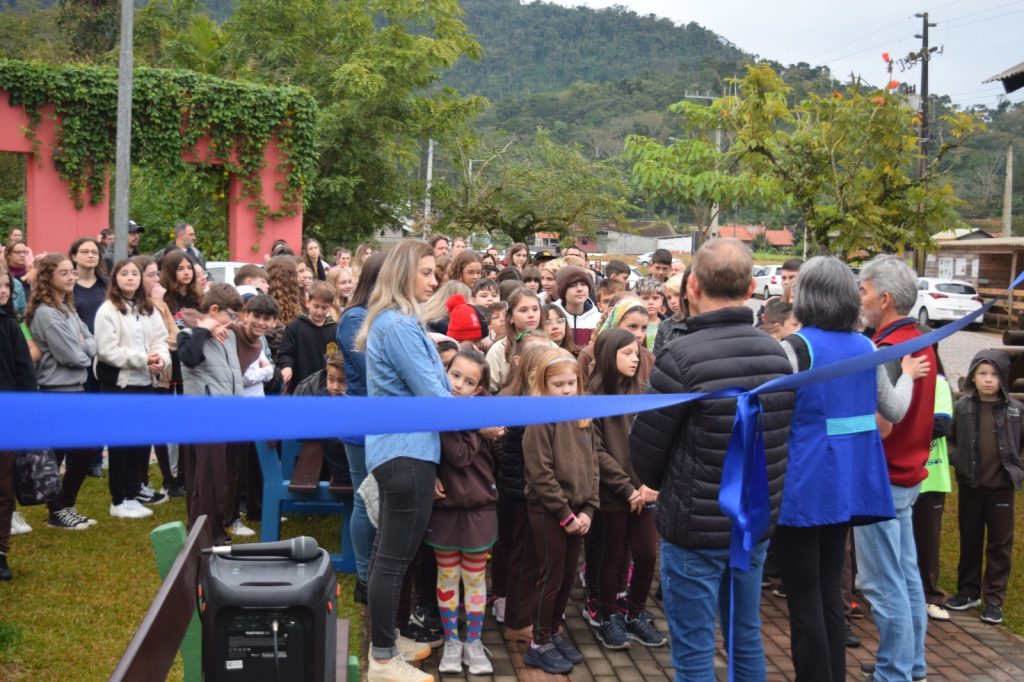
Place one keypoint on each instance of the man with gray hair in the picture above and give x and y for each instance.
(680, 451)
(886, 553)
(185, 240)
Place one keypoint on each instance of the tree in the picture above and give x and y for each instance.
(91, 27)
(519, 189)
(847, 162)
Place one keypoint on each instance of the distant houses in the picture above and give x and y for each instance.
(640, 236)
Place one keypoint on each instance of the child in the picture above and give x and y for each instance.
(523, 315)
(131, 351)
(498, 311)
(464, 525)
(16, 374)
(651, 291)
(447, 348)
(573, 289)
(626, 516)
(561, 496)
(309, 338)
(485, 292)
(531, 278)
(208, 350)
(986, 437)
(673, 293)
(330, 381)
(627, 313)
(779, 319)
(556, 326)
(606, 290)
(259, 319)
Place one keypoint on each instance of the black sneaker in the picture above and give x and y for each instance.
(547, 658)
(428, 618)
(589, 613)
(612, 632)
(175, 490)
(567, 650)
(149, 496)
(852, 640)
(96, 471)
(869, 668)
(5, 570)
(420, 634)
(640, 630)
(992, 614)
(66, 519)
(961, 602)
(359, 592)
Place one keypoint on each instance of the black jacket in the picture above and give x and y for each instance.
(963, 436)
(510, 469)
(679, 450)
(305, 347)
(17, 371)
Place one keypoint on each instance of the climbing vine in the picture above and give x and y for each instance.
(171, 112)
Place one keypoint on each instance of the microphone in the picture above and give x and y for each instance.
(302, 548)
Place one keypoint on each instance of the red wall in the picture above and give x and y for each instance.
(53, 222)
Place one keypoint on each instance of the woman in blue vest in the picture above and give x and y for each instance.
(836, 476)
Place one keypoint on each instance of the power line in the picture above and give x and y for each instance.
(978, 21)
(983, 11)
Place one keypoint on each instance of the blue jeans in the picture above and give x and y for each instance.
(889, 578)
(695, 583)
(362, 531)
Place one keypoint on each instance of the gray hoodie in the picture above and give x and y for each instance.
(67, 348)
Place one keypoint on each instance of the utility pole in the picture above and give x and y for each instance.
(430, 180)
(124, 132)
(925, 57)
(1008, 195)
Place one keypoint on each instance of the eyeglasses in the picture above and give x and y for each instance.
(553, 324)
(232, 315)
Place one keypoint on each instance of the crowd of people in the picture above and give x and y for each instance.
(857, 466)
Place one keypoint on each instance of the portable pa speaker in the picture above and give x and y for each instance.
(269, 614)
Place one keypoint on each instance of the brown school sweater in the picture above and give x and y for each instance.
(562, 474)
(618, 480)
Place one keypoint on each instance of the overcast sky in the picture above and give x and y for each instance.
(980, 38)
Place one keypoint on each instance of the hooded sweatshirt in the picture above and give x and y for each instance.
(305, 347)
(584, 323)
(986, 435)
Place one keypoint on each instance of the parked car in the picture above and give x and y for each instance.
(223, 271)
(769, 281)
(634, 277)
(645, 258)
(944, 300)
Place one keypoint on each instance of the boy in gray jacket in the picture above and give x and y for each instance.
(208, 351)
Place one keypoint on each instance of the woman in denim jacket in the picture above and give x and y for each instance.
(400, 361)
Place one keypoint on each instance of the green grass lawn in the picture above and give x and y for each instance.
(78, 596)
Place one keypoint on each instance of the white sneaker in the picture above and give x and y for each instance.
(936, 612)
(411, 650)
(137, 507)
(124, 511)
(19, 525)
(451, 659)
(474, 655)
(395, 670)
(498, 609)
(240, 529)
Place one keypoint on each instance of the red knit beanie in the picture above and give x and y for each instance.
(464, 322)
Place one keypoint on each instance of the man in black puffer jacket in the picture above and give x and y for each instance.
(680, 450)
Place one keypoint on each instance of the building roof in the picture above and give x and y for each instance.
(994, 243)
(1012, 78)
(735, 232)
(779, 237)
(962, 233)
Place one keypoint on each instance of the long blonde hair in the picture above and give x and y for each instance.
(437, 306)
(550, 363)
(395, 285)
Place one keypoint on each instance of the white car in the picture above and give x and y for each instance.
(769, 281)
(634, 277)
(645, 258)
(944, 300)
(223, 271)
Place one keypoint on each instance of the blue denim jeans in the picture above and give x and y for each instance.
(363, 532)
(695, 584)
(889, 578)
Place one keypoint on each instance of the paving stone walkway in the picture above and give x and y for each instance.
(962, 650)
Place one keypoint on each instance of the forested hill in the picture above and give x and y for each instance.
(540, 47)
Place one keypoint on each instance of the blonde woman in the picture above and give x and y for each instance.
(400, 361)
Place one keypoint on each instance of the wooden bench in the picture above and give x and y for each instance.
(291, 483)
(306, 474)
(172, 621)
